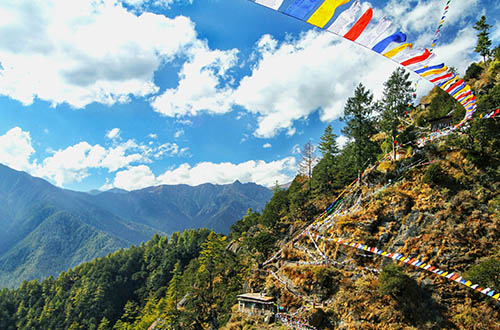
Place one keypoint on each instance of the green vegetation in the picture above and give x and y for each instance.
(434, 175)
(46, 230)
(485, 273)
(394, 282)
(360, 127)
(483, 40)
(473, 71)
(108, 290)
(445, 212)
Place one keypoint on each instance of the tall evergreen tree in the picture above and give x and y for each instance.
(483, 40)
(360, 127)
(397, 95)
(328, 144)
(324, 172)
(174, 287)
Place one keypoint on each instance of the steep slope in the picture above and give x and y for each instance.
(26, 202)
(439, 208)
(31, 210)
(61, 241)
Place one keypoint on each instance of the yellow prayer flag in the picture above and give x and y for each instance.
(466, 88)
(395, 51)
(449, 82)
(435, 71)
(325, 12)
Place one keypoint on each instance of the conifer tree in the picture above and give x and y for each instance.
(328, 144)
(324, 171)
(360, 127)
(104, 325)
(483, 40)
(397, 95)
(174, 287)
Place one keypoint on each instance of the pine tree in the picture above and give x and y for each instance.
(324, 171)
(174, 287)
(397, 95)
(483, 40)
(360, 127)
(104, 325)
(328, 145)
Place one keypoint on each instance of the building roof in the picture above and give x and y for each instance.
(440, 119)
(258, 297)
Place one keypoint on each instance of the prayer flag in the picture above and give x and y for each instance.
(346, 18)
(359, 26)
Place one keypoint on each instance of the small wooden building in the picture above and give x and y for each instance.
(441, 123)
(256, 304)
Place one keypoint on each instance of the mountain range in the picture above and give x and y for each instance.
(45, 229)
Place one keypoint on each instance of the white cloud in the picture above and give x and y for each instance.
(296, 149)
(260, 172)
(158, 3)
(318, 71)
(169, 149)
(423, 16)
(73, 164)
(186, 122)
(153, 136)
(113, 134)
(460, 51)
(16, 149)
(82, 51)
(178, 133)
(135, 177)
(267, 146)
(495, 32)
(200, 85)
(342, 141)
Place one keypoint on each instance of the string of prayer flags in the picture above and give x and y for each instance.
(415, 263)
(493, 114)
(346, 19)
(441, 22)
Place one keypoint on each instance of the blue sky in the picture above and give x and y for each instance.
(132, 93)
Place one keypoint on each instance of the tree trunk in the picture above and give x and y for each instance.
(393, 148)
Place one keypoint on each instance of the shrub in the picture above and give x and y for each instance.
(394, 282)
(485, 273)
(434, 174)
(494, 68)
(473, 71)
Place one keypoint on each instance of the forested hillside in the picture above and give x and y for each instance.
(437, 202)
(45, 230)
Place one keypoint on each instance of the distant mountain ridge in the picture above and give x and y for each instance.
(45, 229)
